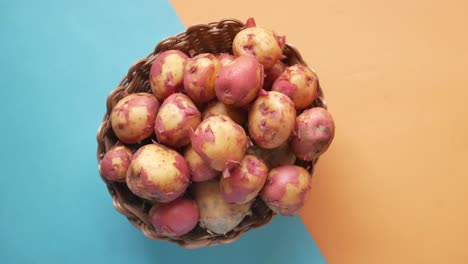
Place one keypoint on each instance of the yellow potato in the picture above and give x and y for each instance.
(200, 76)
(132, 118)
(158, 173)
(220, 142)
(260, 43)
(167, 73)
(299, 83)
(177, 116)
(238, 115)
(271, 119)
(216, 214)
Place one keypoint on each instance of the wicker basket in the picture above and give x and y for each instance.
(214, 38)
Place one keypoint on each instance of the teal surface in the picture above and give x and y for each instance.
(58, 62)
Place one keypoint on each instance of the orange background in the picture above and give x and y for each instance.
(393, 186)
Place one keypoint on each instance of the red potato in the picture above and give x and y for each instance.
(158, 173)
(199, 169)
(115, 163)
(313, 133)
(217, 215)
(200, 76)
(220, 142)
(272, 74)
(176, 218)
(167, 73)
(225, 58)
(262, 44)
(244, 183)
(299, 83)
(177, 116)
(273, 158)
(271, 119)
(132, 118)
(239, 82)
(238, 115)
(286, 189)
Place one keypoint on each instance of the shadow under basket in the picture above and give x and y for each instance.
(213, 38)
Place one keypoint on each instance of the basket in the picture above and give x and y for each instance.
(214, 38)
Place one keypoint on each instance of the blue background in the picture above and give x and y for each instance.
(58, 62)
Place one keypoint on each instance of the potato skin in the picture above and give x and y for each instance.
(115, 163)
(220, 142)
(286, 189)
(238, 115)
(271, 119)
(313, 133)
(200, 77)
(239, 82)
(217, 215)
(199, 169)
(225, 58)
(272, 74)
(259, 43)
(244, 183)
(132, 118)
(167, 73)
(282, 155)
(176, 218)
(177, 116)
(299, 83)
(158, 173)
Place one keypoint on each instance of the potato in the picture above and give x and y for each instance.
(158, 173)
(115, 163)
(217, 215)
(177, 116)
(238, 115)
(271, 119)
(244, 182)
(313, 133)
(299, 83)
(200, 170)
(176, 218)
(273, 158)
(225, 58)
(200, 76)
(132, 118)
(239, 82)
(272, 74)
(220, 142)
(260, 43)
(286, 189)
(167, 73)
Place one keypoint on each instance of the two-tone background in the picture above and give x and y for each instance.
(391, 189)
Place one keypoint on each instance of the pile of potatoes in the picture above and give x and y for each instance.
(226, 129)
